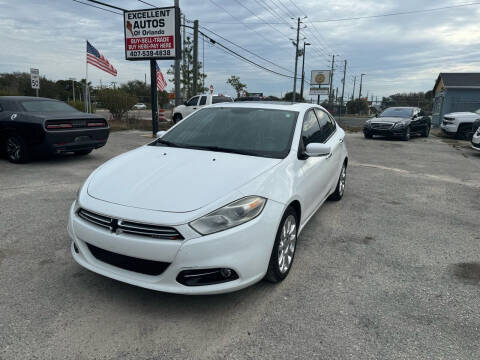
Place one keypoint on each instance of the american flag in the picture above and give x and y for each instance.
(161, 83)
(98, 60)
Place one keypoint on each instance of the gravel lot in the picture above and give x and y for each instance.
(390, 272)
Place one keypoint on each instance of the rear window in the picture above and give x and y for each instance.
(47, 106)
(221, 99)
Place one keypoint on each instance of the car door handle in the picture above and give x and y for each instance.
(329, 156)
(340, 140)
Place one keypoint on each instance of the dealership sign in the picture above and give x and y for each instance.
(319, 91)
(152, 34)
(320, 77)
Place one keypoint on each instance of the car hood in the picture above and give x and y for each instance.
(174, 179)
(454, 114)
(389, 119)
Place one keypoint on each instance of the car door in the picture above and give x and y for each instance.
(203, 101)
(334, 137)
(417, 123)
(313, 173)
(191, 105)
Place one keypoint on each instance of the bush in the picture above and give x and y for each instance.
(118, 102)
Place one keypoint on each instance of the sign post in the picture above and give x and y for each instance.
(35, 79)
(211, 89)
(152, 34)
(320, 77)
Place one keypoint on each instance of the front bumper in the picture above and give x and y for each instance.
(448, 128)
(476, 142)
(387, 133)
(246, 249)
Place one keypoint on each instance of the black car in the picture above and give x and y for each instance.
(401, 122)
(33, 125)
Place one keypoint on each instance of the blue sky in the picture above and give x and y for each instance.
(398, 53)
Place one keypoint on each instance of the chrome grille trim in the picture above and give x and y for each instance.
(129, 227)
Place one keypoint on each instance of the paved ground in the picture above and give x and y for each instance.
(390, 272)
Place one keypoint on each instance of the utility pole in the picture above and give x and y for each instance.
(296, 62)
(177, 65)
(330, 94)
(195, 57)
(303, 69)
(343, 86)
(361, 83)
(354, 83)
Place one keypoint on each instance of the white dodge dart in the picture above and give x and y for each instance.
(213, 205)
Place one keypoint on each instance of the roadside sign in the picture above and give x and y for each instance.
(319, 91)
(171, 96)
(211, 89)
(152, 34)
(320, 77)
(35, 78)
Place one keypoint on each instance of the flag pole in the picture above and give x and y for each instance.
(86, 77)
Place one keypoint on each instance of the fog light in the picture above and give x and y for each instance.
(226, 273)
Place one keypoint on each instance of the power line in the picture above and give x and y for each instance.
(98, 7)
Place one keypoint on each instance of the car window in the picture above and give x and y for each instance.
(327, 125)
(220, 99)
(193, 101)
(47, 106)
(311, 132)
(203, 100)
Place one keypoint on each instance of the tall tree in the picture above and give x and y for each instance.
(186, 72)
(239, 87)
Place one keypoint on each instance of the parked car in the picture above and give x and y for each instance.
(401, 122)
(139, 106)
(476, 140)
(460, 124)
(195, 103)
(34, 125)
(475, 126)
(232, 187)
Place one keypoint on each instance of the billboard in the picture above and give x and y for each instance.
(320, 77)
(152, 34)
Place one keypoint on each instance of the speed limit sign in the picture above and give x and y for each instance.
(35, 78)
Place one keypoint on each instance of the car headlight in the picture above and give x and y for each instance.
(399, 125)
(231, 215)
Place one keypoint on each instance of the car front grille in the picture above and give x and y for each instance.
(129, 227)
(381, 126)
(142, 266)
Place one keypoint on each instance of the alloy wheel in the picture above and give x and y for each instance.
(14, 149)
(342, 181)
(286, 247)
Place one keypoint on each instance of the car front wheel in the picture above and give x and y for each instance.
(284, 247)
(406, 136)
(177, 118)
(426, 131)
(340, 189)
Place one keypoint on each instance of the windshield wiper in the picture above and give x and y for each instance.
(226, 150)
(168, 143)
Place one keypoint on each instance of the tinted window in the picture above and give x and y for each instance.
(257, 132)
(220, 99)
(9, 106)
(47, 106)
(193, 101)
(311, 130)
(327, 125)
(397, 112)
(203, 100)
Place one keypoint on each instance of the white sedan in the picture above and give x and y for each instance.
(139, 106)
(213, 205)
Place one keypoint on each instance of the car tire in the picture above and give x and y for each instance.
(464, 132)
(17, 149)
(340, 189)
(407, 135)
(177, 118)
(367, 135)
(82, 152)
(283, 251)
(426, 131)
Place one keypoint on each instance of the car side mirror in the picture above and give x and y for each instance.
(159, 134)
(317, 150)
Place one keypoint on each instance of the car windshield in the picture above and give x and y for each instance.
(397, 112)
(47, 106)
(247, 131)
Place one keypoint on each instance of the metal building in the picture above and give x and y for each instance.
(455, 92)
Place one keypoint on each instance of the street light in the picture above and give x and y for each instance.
(303, 69)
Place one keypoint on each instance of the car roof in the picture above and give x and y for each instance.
(276, 105)
(24, 98)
